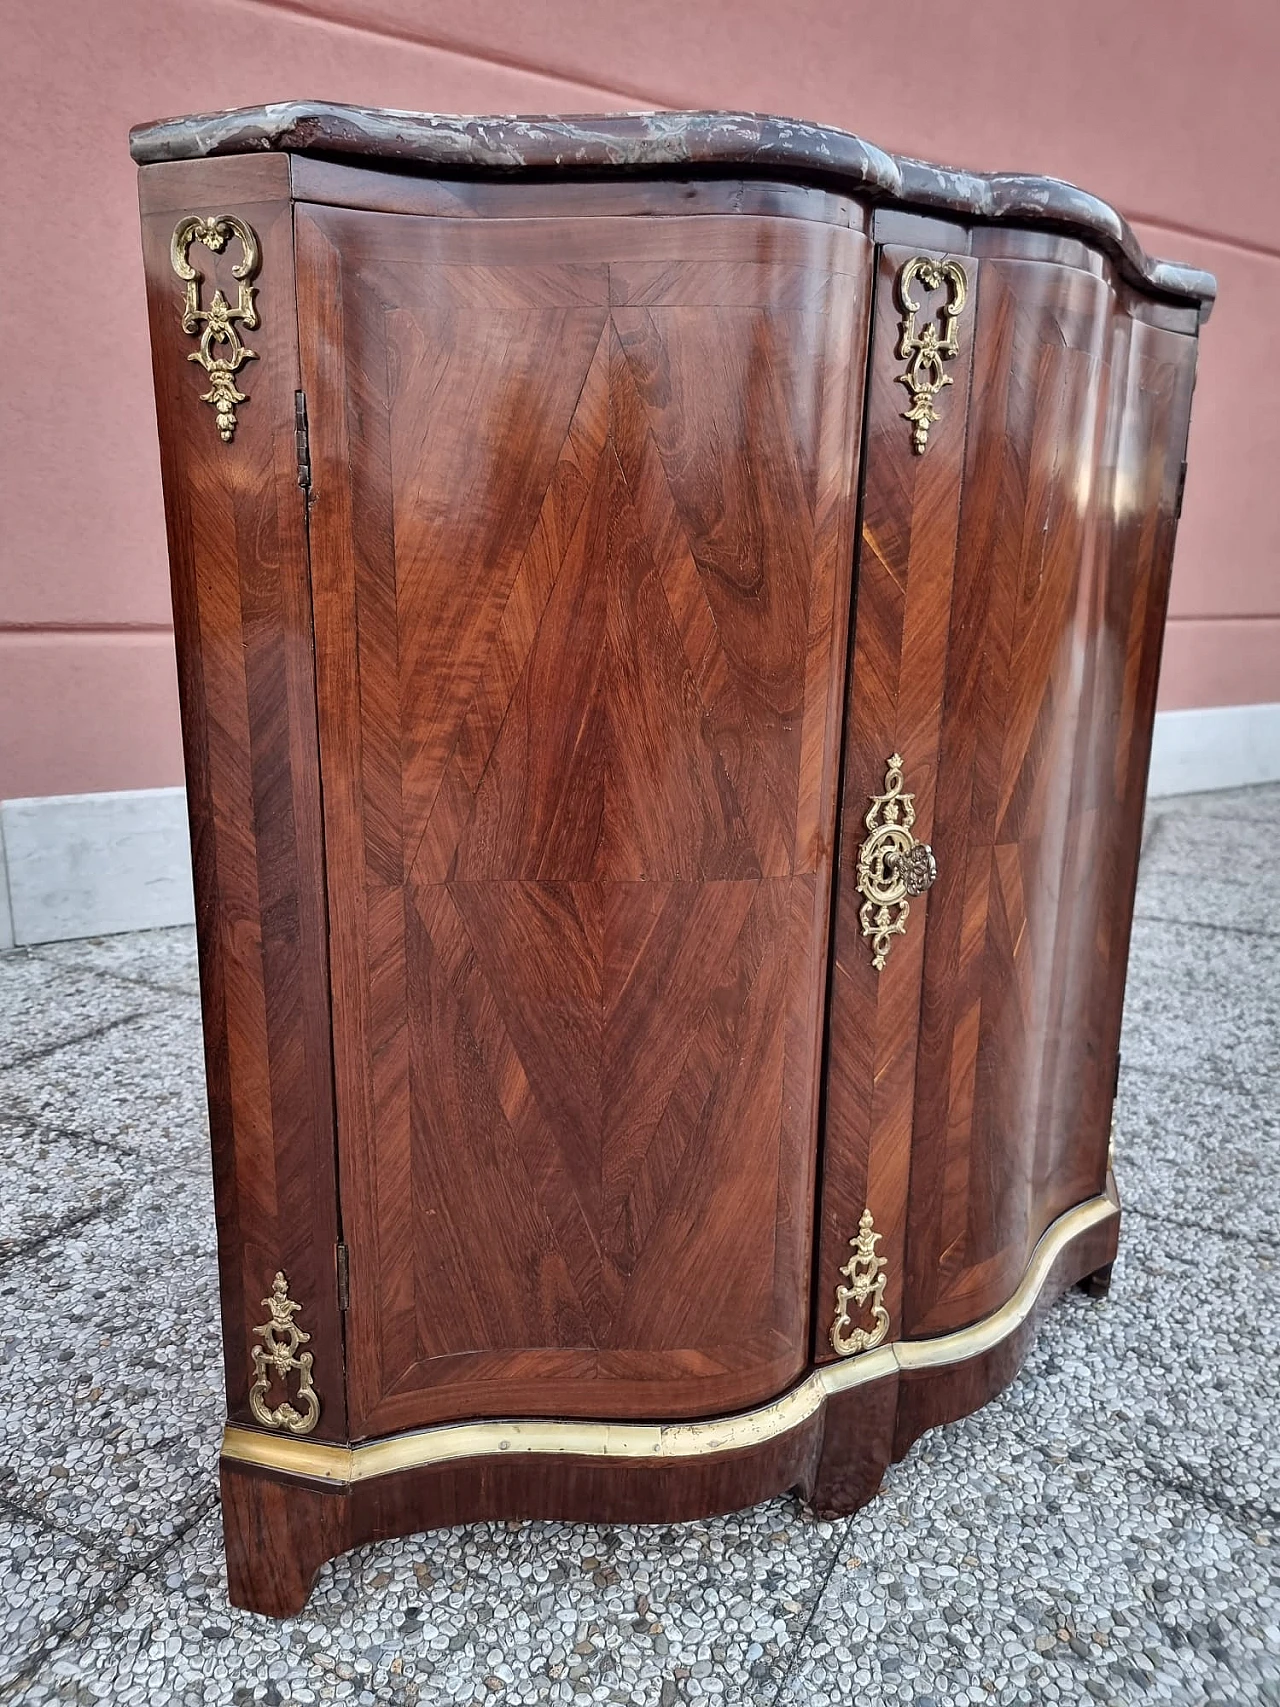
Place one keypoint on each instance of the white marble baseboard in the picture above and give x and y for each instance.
(90, 864)
(1220, 746)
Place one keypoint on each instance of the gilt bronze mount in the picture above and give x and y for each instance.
(863, 1284)
(893, 867)
(279, 1355)
(216, 325)
(926, 349)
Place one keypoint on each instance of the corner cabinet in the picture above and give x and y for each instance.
(668, 612)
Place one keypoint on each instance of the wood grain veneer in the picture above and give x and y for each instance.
(243, 626)
(581, 562)
(544, 631)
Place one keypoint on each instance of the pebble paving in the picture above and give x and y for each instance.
(1107, 1530)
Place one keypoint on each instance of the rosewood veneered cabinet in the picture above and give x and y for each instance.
(668, 615)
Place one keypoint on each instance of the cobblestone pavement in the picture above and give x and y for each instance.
(1108, 1530)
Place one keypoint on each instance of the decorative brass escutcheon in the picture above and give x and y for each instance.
(279, 1354)
(893, 867)
(865, 1274)
(925, 351)
(216, 324)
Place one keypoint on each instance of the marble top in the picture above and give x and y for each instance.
(750, 144)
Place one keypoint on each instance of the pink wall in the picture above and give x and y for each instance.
(1142, 101)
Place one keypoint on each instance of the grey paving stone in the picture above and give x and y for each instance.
(51, 1179)
(492, 1612)
(111, 1381)
(43, 1005)
(1213, 869)
(139, 1087)
(1199, 1153)
(1262, 802)
(166, 959)
(1175, 1376)
(1202, 1004)
(47, 1583)
(988, 1572)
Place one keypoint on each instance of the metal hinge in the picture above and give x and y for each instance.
(344, 1278)
(302, 439)
(1182, 482)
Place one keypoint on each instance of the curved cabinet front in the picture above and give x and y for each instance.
(1006, 649)
(664, 845)
(1048, 701)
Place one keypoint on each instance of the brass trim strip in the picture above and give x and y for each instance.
(449, 1442)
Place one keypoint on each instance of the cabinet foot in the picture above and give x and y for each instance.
(278, 1534)
(857, 1447)
(1097, 1284)
(280, 1529)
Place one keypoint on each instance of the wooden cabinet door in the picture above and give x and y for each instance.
(1076, 432)
(1012, 580)
(581, 542)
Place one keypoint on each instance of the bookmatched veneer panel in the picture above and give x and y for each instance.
(583, 497)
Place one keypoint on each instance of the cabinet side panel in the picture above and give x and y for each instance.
(906, 560)
(238, 558)
(1153, 378)
(582, 548)
(1062, 569)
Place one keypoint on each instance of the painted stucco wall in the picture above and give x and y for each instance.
(1164, 107)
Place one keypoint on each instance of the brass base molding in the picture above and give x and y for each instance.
(451, 1442)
